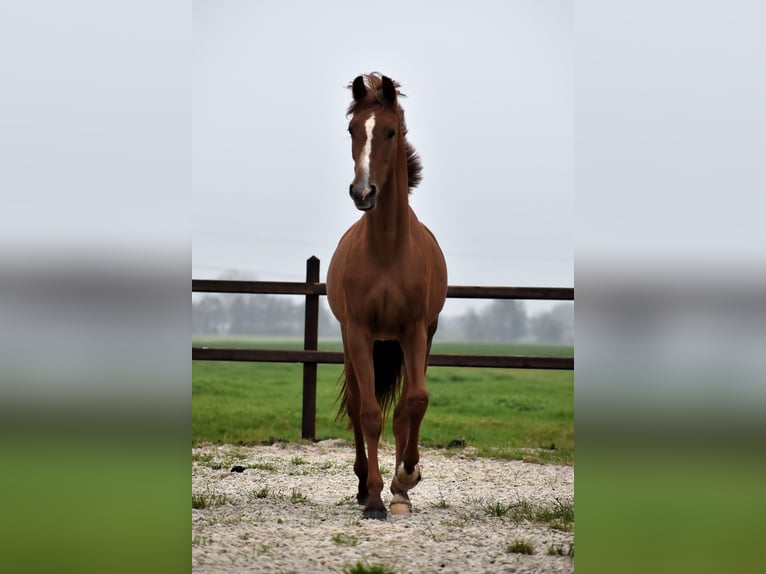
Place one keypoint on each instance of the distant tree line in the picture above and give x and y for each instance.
(283, 316)
(508, 321)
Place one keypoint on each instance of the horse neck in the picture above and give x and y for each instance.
(389, 222)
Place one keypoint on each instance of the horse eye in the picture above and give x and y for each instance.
(391, 133)
(349, 131)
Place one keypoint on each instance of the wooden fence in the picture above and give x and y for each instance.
(311, 357)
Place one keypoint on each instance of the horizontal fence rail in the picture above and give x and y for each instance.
(311, 357)
(336, 358)
(453, 291)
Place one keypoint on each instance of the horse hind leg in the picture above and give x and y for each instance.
(360, 462)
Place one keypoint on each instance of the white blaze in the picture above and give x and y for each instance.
(368, 125)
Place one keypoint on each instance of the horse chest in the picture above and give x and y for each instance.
(387, 304)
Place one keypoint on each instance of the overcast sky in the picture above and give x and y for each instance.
(489, 108)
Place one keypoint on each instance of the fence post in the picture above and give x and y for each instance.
(310, 339)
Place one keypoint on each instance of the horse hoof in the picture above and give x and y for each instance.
(400, 508)
(375, 514)
(400, 504)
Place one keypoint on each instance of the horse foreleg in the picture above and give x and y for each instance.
(359, 352)
(400, 503)
(401, 426)
(354, 415)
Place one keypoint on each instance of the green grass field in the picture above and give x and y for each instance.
(510, 413)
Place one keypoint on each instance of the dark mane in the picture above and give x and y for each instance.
(374, 97)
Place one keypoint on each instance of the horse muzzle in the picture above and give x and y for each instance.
(364, 196)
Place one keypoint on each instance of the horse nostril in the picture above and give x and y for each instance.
(373, 190)
(351, 190)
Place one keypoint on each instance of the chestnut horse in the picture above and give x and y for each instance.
(386, 284)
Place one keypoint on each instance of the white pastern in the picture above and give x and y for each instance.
(406, 481)
(365, 160)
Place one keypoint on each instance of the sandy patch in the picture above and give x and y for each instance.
(293, 509)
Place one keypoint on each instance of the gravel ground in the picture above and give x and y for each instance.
(293, 509)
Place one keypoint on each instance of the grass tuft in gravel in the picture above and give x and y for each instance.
(521, 546)
(495, 508)
(260, 493)
(442, 502)
(208, 499)
(202, 457)
(344, 539)
(365, 568)
(559, 516)
(297, 497)
(267, 466)
(561, 550)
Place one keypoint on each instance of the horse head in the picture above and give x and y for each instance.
(378, 130)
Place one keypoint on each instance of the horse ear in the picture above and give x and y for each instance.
(358, 89)
(389, 90)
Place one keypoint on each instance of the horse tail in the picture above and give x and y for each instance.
(387, 359)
